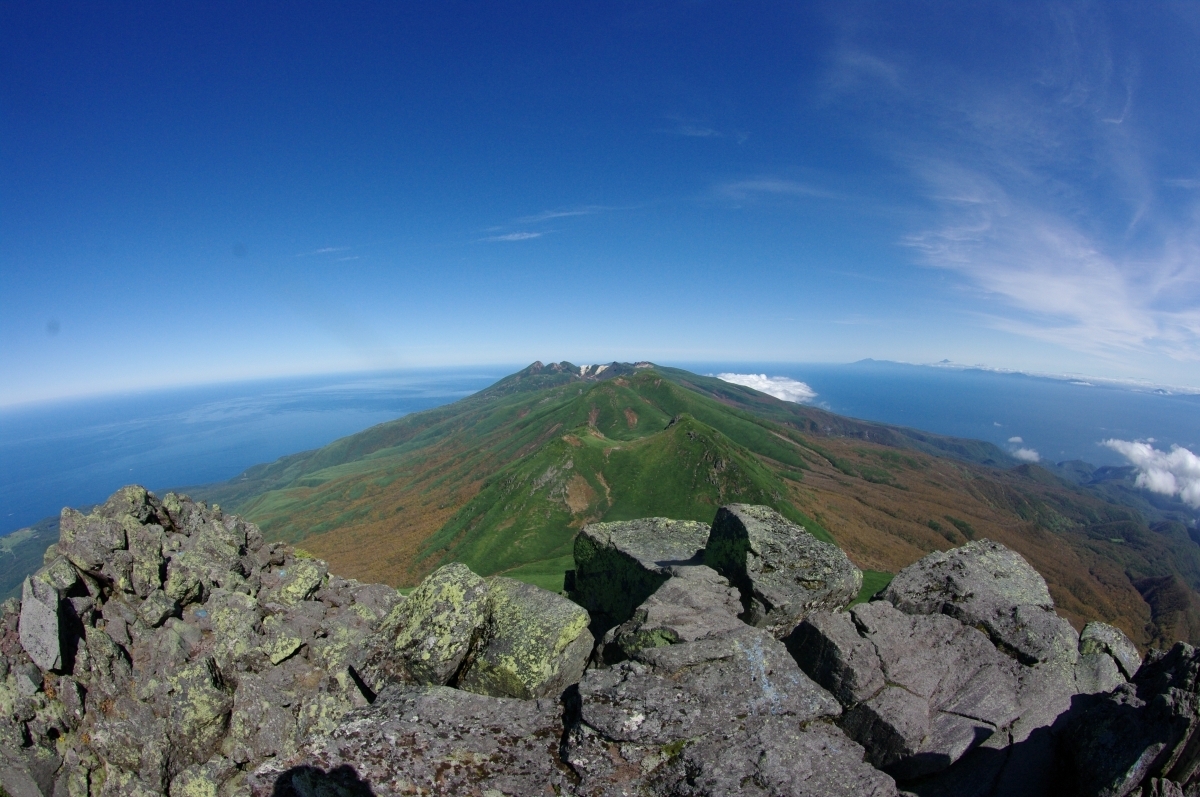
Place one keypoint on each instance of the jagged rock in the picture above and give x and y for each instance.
(828, 646)
(782, 571)
(427, 637)
(618, 565)
(429, 740)
(1101, 638)
(186, 653)
(534, 643)
(723, 715)
(1145, 734)
(40, 623)
(985, 584)
(694, 603)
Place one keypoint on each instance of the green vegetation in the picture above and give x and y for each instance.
(503, 480)
(21, 553)
(963, 526)
(874, 582)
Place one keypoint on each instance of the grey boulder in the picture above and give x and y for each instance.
(781, 570)
(618, 565)
(987, 585)
(695, 603)
(723, 715)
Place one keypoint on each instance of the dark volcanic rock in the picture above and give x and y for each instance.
(696, 602)
(987, 585)
(618, 565)
(782, 571)
(429, 740)
(1145, 735)
(164, 648)
(723, 715)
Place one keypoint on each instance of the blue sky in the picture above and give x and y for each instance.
(199, 192)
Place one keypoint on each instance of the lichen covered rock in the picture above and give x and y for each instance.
(534, 643)
(426, 639)
(164, 648)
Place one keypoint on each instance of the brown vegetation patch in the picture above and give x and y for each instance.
(580, 495)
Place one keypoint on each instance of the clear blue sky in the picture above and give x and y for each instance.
(203, 191)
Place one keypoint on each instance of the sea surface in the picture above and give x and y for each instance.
(1060, 419)
(76, 453)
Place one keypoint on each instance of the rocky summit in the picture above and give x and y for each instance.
(165, 648)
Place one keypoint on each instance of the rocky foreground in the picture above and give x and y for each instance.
(166, 648)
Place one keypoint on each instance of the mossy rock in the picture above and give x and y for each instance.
(535, 643)
(426, 638)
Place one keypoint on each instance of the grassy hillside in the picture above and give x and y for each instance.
(503, 479)
(21, 554)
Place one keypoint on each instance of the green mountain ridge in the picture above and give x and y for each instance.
(504, 478)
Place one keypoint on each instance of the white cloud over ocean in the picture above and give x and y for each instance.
(781, 387)
(1175, 472)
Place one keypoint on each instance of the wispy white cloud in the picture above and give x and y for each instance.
(692, 131)
(742, 189)
(325, 250)
(781, 387)
(1175, 472)
(1015, 440)
(689, 128)
(515, 236)
(547, 215)
(1040, 188)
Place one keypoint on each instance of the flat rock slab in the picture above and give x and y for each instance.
(919, 691)
(987, 585)
(782, 571)
(39, 626)
(430, 740)
(534, 643)
(719, 716)
(695, 603)
(618, 565)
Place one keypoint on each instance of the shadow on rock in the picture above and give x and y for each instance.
(308, 781)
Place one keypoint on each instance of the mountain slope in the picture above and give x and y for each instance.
(502, 480)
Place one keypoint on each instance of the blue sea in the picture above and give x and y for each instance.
(74, 453)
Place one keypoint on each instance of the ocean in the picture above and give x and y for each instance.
(75, 453)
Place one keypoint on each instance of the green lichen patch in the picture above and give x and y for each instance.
(535, 644)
